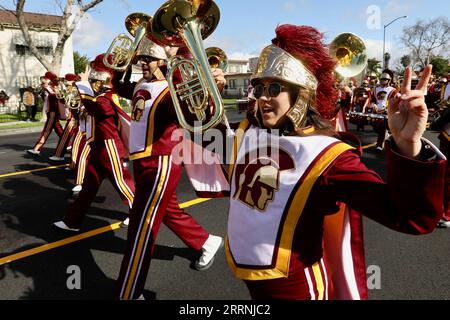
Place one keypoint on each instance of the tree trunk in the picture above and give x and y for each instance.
(65, 32)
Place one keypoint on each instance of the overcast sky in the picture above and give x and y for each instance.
(246, 26)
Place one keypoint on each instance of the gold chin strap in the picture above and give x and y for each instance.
(158, 74)
(297, 114)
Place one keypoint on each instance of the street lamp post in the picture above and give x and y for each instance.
(384, 38)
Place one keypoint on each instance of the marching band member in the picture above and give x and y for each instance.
(382, 95)
(81, 148)
(360, 102)
(287, 238)
(49, 82)
(108, 150)
(153, 123)
(71, 127)
(442, 124)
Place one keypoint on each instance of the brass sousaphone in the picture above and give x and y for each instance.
(185, 23)
(350, 53)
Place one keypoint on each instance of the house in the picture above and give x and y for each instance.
(18, 67)
(238, 79)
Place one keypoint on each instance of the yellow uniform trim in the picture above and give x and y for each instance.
(319, 281)
(76, 145)
(82, 164)
(281, 269)
(92, 138)
(118, 172)
(116, 100)
(150, 129)
(64, 137)
(143, 234)
(239, 135)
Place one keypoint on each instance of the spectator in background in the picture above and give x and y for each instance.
(442, 124)
(3, 97)
(29, 101)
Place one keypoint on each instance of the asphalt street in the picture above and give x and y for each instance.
(32, 196)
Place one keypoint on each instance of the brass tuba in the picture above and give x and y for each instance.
(350, 53)
(123, 48)
(180, 23)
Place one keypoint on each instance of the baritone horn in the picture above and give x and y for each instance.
(217, 58)
(123, 48)
(185, 23)
(59, 90)
(350, 53)
(73, 100)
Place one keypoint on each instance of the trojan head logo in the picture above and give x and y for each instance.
(258, 180)
(138, 103)
(381, 96)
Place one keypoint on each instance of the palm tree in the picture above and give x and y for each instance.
(373, 67)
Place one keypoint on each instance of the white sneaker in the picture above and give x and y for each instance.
(62, 225)
(443, 224)
(53, 158)
(210, 248)
(69, 148)
(77, 188)
(33, 152)
(125, 223)
(379, 148)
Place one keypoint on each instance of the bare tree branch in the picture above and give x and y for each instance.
(26, 34)
(426, 39)
(89, 5)
(65, 29)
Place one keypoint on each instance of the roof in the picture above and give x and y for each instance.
(32, 19)
(240, 74)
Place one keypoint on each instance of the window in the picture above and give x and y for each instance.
(232, 84)
(46, 51)
(21, 50)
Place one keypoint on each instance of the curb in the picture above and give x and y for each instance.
(9, 132)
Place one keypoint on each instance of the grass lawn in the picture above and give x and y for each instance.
(22, 125)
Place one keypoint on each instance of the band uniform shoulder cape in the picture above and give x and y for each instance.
(150, 94)
(86, 92)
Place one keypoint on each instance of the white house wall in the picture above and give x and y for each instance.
(20, 71)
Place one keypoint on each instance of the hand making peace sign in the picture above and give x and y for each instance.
(408, 114)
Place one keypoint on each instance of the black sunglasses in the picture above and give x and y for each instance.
(273, 89)
(147, 60)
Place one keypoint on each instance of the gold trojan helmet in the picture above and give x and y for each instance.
(277, 63)
(347, 49)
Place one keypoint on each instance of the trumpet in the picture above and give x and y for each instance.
(179, 23)
(123, 48)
